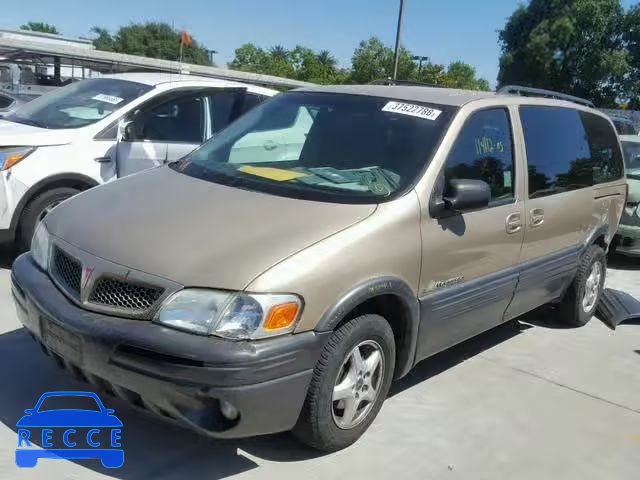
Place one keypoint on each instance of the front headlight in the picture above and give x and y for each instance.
(40, 246)
(234, 315)
(12, 155)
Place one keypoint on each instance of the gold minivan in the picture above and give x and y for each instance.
(283, 274)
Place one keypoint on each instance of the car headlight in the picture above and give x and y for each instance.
(12, 155)
(40, 246)
(234, 315)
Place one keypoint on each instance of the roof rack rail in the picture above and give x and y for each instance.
(540, 92)
(391, 82)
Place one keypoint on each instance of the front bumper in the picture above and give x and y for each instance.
(628, 240)
(176, 375)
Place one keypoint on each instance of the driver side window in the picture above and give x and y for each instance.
(484, 151)
(177, 120)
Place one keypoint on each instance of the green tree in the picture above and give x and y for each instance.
(574, 46)
(152, 39)
(250, 58)
(463, 75)
(630, 90)
(40, 27)
(103, 39)
(373, 60)
(301, 63)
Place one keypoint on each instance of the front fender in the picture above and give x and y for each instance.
(409, 316)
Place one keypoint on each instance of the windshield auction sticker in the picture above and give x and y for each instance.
(113, 100)
(412, 109)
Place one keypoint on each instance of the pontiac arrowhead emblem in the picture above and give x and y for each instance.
(86, 276)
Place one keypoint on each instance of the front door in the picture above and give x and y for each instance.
(469, 265)
(165, 129)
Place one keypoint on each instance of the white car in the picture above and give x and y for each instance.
(97, 130)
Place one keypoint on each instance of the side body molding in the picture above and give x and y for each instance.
(410, 315)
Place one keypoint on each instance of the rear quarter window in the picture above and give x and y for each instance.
(568, 149)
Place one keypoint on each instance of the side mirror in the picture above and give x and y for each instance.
(461, 195)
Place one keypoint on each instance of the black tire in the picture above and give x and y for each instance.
(32, 213)
(571, 311)
(316, 425)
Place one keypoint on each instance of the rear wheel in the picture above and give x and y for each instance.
(350, 382)
(37, 209)
(580, 301)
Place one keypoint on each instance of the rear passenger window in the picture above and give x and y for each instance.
(568, 150)
(606, 157)
(558, 155)
(484, 151)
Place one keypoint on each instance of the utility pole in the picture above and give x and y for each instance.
(396, 55)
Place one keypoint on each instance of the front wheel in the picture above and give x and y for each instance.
(350, 382)
(37, 209)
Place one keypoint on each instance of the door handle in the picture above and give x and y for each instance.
(536, 217)
(270, 145)
(106, 159)
(513, 223)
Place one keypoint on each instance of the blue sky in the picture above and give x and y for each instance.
(444, 30)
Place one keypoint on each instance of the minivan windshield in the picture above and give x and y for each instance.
(324, 146)
(632, 157)
(79, 104)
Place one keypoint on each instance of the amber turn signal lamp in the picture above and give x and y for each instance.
(12, 160)
(281, 316)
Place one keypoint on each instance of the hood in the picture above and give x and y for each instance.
(195, 232)
(14, 134)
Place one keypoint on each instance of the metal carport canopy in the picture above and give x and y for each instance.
(22, 49)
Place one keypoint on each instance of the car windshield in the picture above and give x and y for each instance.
(79, 104)
(632, 157)
(323, 146)
(69, 402)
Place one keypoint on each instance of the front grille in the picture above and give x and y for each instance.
(124, 295)
(67, 270)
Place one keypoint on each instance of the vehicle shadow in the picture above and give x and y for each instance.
(7, 255)
(453, 356)
(622, 262)
(154, 448)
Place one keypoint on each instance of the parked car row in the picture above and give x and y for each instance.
(283, 274)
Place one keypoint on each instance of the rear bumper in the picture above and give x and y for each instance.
(176, 375)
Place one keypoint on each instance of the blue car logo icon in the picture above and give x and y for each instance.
(77, 422)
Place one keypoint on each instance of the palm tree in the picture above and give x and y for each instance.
(326, 59)
(278, 52)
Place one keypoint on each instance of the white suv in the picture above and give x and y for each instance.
(101, 129)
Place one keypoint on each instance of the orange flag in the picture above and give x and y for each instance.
(185, 38)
